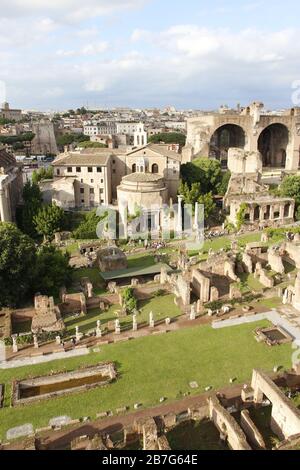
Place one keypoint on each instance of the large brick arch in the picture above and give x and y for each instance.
(224, 137)
(273, 143)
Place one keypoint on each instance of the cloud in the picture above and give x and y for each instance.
(91, 49)
(66, 10)
(185, 64)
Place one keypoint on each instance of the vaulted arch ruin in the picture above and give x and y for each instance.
(272, 144)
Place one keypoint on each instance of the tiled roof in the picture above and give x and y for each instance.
(6, 160)
(83, 159)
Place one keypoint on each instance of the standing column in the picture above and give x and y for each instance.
(179, 216)
(2, 206)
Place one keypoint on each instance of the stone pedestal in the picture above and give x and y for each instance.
(151, 320)
(15, 344)
(98, 329)
(134, 323)
(117, 327)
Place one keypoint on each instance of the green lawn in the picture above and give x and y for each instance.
(249, 283)
(140, 261)
(149, 368)
(273, 302)
(94, 276)
(162, 307)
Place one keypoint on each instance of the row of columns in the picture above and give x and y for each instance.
(263, 209)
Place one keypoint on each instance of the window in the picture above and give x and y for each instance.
(134, 168)
(102, 181)
(114, 161)
(58, 171)
(90, 169)
(99, 169)
(91, 190)
(81, 181)
(114, 171)
(82, 201)
(78, 169)
(82, 190)
(154, 168)
(92, 181)
(69, 169)
(101, 191)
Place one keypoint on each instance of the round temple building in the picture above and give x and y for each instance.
(142, 191)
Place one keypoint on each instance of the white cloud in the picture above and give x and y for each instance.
(69, 10)
(86, 50)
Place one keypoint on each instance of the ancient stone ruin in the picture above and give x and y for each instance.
(47, 316)
(246, 189)
(111, 259)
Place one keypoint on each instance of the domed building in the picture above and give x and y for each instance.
(142, 192)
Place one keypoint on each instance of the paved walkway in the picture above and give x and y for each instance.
(273, 316)
(27, 361)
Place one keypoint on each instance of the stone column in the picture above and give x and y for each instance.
(193, 312)
(251, 215)
(281, 212)
(98, 329)
(5, 215)
(117, 327)
(262, 214)
(151, 320)
(15, 344)
(271, 212)
(179, 215)
(291, 211)
(35, 342)
(134, 323)
(58, 340)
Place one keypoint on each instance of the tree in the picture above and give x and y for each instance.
(32, 198)
(68, 139)
(87, 228)
(168, 138)
(42, 174)
(209, 204)
(92, 145)
(240, 216)
(223, 185)
(190, 195)
(193, 195)
(49, 219)
(52, 271)
(129, 300)
(17, 262)
(290, 187)
(205, 171)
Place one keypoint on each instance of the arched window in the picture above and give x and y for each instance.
(154, 168)
(134, 168)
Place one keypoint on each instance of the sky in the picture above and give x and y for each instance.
(63, 54)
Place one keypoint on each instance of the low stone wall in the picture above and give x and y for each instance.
(106, 370)
(227, 425)
(251, 430)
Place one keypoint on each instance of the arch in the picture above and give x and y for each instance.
(225, 137)
(154, 168)
(272, 144)
(133, 168)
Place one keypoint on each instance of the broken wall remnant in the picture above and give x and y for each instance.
(47, 316)
(275, 260)
(285, 417)
(227, 425)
